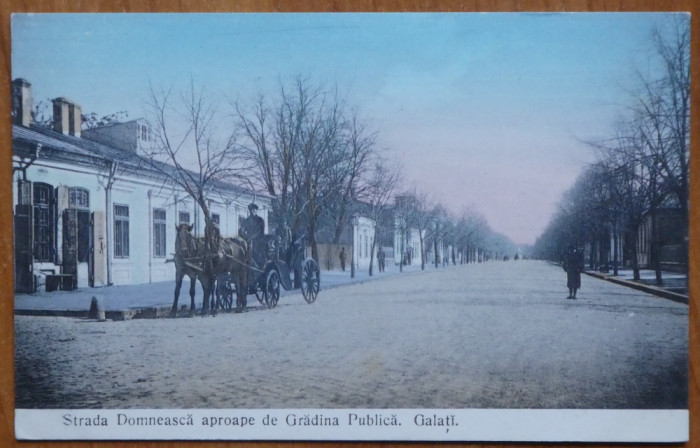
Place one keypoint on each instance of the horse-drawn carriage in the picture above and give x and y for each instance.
(270, 268)
(234, 266)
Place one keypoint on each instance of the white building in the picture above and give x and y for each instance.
(406, 244)
(363, 234)
(86, 210)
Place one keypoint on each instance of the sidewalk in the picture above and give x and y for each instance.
(156, 299)
(674, 284)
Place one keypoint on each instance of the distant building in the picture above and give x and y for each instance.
(356, 238)
(671, 242)
(407, 247)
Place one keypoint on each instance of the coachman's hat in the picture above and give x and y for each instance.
(252, 206)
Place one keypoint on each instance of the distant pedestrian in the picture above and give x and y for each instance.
(342, 259)
(573, 265)
(381, 257)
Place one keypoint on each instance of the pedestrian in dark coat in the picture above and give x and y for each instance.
(381, 257)
(573, 265)
(342, 258)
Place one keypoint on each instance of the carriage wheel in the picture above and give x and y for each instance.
(228, 296)
(310, 280)
(228, 299)
(272, 289)
(225, 301)
(224, 292)
(259, 293)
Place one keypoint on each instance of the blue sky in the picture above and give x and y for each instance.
(484, 110)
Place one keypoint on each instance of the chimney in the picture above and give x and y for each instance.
(22, 102)
(76, 121)
(66, 117)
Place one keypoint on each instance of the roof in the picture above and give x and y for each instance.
(69, 147)
(68, 144)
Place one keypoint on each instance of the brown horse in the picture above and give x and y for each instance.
(205, 259)
(231, 258)
(189, 254)
(227, 255)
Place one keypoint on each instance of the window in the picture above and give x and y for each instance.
(44, 222)
(121, 231)
(159, 233)
(215, 218)
(144, 133)
(184, 218)
(78, 198)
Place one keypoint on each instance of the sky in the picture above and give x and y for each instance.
(488, 111)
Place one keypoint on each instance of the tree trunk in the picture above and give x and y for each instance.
(655, 255)
(605, 251)
(422, 255)
(616, 255)
(437, 256)
(401, 249)
(312, 238)
(686, 227)
(594, 254)
(635, 253)
(340, 224)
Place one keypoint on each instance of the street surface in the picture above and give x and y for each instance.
(491, 335)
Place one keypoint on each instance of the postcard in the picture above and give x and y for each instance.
(385, 227)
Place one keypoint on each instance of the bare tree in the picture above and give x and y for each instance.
(631, 184)
(92, 120)
(43, 116)
(270, 144)
(41, 113)
(416, 209)
(189, 151)
(661, 118)
(322, 150)
(350, 174)
(675, 113)
(305, 152)
(642, 167)
(470, 230)
(378, 194)
(498, 244)
(438, 229)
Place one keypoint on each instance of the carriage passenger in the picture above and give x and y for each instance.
(284, 236)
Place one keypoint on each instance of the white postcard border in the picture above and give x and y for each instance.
(522, 425)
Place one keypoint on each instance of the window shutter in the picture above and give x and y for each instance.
(24, 189)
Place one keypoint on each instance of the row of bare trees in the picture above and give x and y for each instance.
(304, 146)
(446, 237)
(643, 167)
(313, 153)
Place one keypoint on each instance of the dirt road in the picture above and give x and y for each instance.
(493, 335)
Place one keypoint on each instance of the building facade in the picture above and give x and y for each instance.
(87, 212)
(671, 245)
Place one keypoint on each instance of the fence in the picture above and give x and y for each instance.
(329, 256)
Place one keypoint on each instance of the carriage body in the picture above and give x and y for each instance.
(271, 268)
